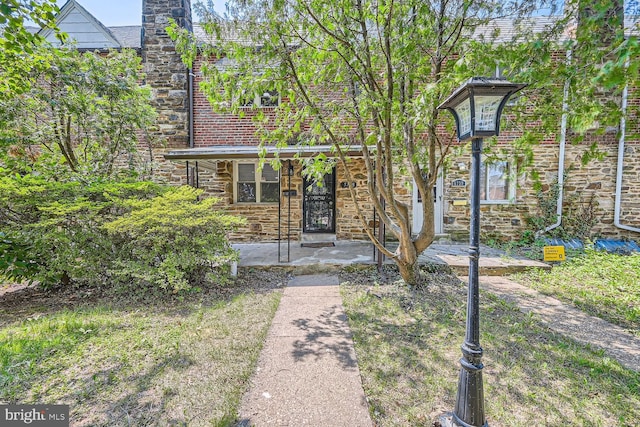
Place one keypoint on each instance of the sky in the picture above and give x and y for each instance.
(113, 13)
(129, 12)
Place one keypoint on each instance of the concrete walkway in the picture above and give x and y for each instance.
(307, 374)
(568, 321)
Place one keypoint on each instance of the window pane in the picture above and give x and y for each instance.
(268, 174)
(246, 192)
(246, 172)
(269, 99)
(498, 181)
(269, 191)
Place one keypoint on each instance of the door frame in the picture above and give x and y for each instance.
(305, 207)
(438, 208)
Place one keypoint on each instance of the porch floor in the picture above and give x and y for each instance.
(493, 262)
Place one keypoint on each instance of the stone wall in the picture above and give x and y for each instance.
(594, 181)
(165, 72)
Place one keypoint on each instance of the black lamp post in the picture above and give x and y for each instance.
(476, 107)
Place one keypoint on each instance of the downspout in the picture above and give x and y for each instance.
(623, 124)
(190, 83)
(190, 177)
(561, 155)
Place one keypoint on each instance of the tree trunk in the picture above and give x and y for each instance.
(407, 261)
(409, 272)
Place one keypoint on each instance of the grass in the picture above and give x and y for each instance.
(601, 284)
(117, 363)
(408, 347)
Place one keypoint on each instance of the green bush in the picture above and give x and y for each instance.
(174, 241)
(104, 233)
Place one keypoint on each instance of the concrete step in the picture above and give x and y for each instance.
(491, 266)
(318, 237)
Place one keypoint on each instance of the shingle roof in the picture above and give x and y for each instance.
(128, 36)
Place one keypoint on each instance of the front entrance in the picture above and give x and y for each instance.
(319, 205)
(438, 208)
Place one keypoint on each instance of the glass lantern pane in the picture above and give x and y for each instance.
(463, 110)
(486, 111)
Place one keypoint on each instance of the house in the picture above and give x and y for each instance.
(218, 153)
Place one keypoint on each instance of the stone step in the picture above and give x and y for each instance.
(317, 237)
(491, 266)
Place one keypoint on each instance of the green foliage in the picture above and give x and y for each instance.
(95, 232)
(82, 114)
(547, 214)
(52, 229)
(174, 241)
(579, 214)
(16, 40)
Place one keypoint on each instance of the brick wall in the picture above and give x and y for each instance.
(504, 221)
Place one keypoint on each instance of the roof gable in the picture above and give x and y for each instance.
(82, 28)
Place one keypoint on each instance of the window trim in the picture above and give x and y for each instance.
(258, 181)
(511, 183)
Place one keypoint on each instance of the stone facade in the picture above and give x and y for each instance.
(165, 72)
(594, 181)
(591, 185)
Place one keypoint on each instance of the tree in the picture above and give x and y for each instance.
(372, 73)
(17, 42)
(83, 110)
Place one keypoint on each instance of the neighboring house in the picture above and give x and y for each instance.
(218, 152)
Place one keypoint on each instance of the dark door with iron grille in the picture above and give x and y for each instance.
(319, 205)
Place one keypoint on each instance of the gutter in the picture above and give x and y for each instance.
(618, 200)
(561, 156)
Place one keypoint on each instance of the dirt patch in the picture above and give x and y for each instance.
(23, 301)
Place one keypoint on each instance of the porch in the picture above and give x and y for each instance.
(341, 253)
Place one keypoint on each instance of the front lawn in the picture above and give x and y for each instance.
(408, 347)
(118, 363)
(601, 284)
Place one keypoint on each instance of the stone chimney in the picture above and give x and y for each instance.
(165, 73)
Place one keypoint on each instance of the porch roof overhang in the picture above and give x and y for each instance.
(212, 154)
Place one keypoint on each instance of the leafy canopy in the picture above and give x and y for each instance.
(83, 113)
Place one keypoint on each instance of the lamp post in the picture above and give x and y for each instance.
(476, 107)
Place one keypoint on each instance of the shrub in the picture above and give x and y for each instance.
(174, 241)
(102, 232)
(51, 230)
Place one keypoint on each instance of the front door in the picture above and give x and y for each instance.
(438, 208)
(319, 205)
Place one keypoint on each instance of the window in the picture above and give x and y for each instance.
(269, 98)
(497, 182)
(253, 186)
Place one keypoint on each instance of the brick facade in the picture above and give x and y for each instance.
(168, 78)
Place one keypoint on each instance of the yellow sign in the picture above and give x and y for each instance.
(554, 253)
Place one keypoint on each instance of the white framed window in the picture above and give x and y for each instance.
(251, 185)
(497, 182)
(269, 98)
